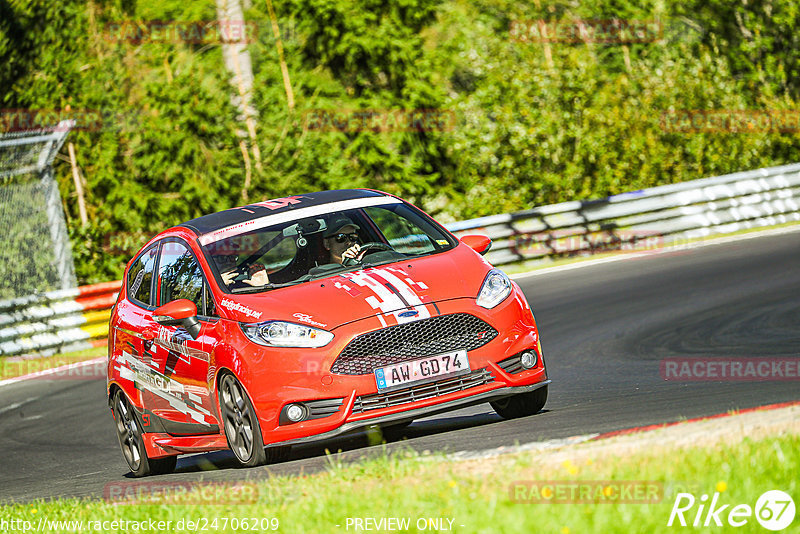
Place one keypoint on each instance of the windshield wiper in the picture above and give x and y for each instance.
(367, 265)
(265, 287)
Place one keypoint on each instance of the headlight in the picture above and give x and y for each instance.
(282, 334)
(496, 287)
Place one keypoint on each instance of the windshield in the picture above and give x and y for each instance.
(300, 250)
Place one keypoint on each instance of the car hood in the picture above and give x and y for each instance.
(397, 289)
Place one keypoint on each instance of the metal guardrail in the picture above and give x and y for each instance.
(64, 320)
(73, 319)
(644, 219)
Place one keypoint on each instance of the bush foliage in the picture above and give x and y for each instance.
(528, 122)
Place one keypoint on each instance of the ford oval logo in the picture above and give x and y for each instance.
(409, 313)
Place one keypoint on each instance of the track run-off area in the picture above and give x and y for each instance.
(612, 332)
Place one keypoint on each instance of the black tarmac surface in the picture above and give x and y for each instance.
(605, 329)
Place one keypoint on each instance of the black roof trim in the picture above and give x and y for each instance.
(223, 219)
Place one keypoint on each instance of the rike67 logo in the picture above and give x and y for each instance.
(774, 510)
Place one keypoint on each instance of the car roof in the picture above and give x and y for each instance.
(223, 219)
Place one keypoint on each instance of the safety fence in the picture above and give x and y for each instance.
(642, 220)
(64, 320)
(74, 319)
(32, 219)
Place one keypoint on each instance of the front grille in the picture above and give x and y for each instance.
(411, 341)
(511, 365)
(318, 409)
(375, 401)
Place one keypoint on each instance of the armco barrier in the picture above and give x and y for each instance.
(72, 319)
(58, 321)
(643, 219)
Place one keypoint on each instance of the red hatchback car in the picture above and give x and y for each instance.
(306, 317)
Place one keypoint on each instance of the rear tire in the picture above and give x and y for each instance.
(521, 405)
(241, 423)
(131, 440)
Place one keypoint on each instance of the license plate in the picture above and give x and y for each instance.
(401, 374)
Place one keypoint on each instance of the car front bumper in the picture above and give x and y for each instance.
(310, 380)
(417, 413)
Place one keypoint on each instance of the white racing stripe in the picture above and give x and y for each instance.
(408, 294)
(386, 300)
(383, 298)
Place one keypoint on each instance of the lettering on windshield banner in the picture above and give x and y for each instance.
(299, 212)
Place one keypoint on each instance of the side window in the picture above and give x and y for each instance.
(140, 276)
(179, 275)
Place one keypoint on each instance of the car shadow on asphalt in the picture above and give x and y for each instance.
(354, 446)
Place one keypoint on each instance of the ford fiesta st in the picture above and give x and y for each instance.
(306, 317)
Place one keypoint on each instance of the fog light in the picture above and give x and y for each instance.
(295, 413)
(527, 359)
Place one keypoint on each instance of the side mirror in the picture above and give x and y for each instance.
(479, 243)
(181, 312)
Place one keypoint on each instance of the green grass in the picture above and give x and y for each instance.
(475, 494)
(12, 368)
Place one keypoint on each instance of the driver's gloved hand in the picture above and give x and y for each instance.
(352, 252)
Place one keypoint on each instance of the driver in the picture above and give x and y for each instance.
(256, 273)
(341, 239)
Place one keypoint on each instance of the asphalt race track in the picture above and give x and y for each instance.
(605, 328)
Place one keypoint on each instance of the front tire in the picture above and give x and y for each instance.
(241, 424)
(131, 441)
(521, 405)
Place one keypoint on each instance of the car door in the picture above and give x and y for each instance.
(132, 316)
(181, 402)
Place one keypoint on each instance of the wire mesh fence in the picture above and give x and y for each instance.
(35, 255)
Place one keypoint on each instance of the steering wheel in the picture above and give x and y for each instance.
(242, 272)
(373, 246)
(246, 271)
